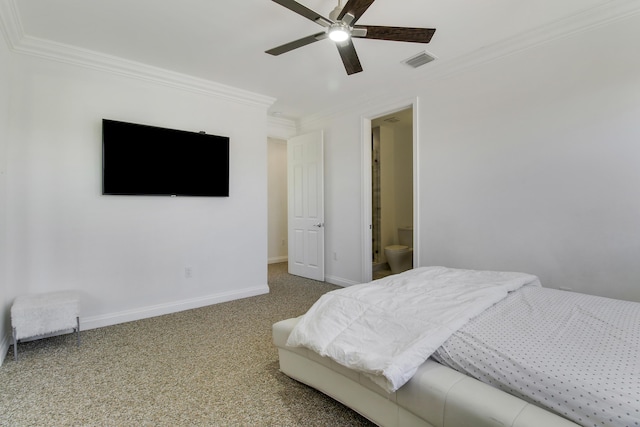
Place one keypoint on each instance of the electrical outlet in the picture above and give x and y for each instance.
(335, 256)
(188, 272)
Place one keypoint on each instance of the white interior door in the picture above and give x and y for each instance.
(305, 177)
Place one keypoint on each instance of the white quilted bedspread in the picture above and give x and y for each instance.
(389, 327)
(574, 354)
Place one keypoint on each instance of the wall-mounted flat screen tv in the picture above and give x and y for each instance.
(148, 160)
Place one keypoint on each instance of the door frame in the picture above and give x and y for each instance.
(365, 147)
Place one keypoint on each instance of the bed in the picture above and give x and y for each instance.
(448, 347)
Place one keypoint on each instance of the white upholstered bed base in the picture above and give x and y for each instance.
(436, 396)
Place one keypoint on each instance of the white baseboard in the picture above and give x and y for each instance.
(278, 259)
(94, 322)
(340, 281)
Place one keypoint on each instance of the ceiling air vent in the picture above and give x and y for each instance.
(419, 60)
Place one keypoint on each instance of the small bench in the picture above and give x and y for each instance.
(35, 315)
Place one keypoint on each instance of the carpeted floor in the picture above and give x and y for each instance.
(213, 366)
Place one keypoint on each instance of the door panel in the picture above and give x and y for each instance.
(306, 205)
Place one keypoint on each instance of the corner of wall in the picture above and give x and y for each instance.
(5, 107)
(4, 347)
(281, 128)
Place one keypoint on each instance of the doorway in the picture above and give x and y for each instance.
(295, 178)
(391, 185)
(390, 196)
(277, 236)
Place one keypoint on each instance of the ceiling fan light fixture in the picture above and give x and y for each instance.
(339, 32)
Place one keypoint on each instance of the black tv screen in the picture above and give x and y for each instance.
(148, 160)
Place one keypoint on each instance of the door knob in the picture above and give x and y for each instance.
(319, 225)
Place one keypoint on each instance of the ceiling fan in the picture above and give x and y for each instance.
(340, 27)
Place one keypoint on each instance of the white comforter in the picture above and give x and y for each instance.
(389, 327)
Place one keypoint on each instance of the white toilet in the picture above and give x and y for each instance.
(400, 257)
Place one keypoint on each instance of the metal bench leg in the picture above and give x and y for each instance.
(78, 329)
(15, 345)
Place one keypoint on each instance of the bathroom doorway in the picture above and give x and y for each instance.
(392, 192)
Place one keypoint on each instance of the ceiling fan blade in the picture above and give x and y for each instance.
(349, 57)
(296, 44)
(304, 11)
(355, 8)
(401, 34)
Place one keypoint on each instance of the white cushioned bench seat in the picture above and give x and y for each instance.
(34, 315)
(436, 396)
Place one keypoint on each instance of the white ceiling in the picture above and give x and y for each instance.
(224, 41)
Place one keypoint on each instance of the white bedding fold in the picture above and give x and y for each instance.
(389, 327)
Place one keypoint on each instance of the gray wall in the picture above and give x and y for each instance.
(527, 163)
(128, 255)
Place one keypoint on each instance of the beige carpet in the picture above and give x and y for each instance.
(213, 366)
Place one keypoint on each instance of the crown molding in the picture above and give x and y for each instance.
(20, 43)
(10, 23)
(597, 16)
(115, 65)
(281, 127)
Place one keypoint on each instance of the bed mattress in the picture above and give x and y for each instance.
(387, 328)
(436, 396)
(577, 355)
